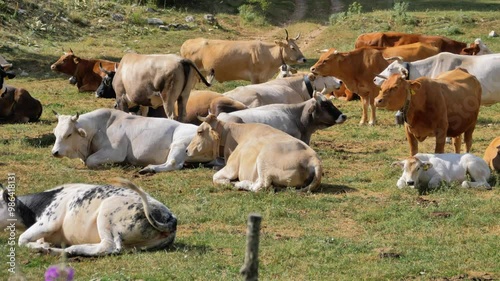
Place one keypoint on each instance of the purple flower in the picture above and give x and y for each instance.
(59, 273)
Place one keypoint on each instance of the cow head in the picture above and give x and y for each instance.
(324, 84)
(396, 67)
(10, 217)
(205, 143)
(329, 63)
(71, 140)
(476, 48)
(394, 92)
(4, 75)
(323, 113)
(412, 171)
(286, 70)
(289, 50)
(66, 63)
(105, 89)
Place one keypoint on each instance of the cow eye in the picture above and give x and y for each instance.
(68, 136)
(292, 47)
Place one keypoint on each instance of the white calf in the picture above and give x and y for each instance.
(422, 170)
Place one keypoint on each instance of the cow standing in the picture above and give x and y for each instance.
(16, 104)
(85, 73)
(357, 70)
(253, 61)
(445, 106)
(390, 39)
(257, 156)
(110, 136)
(89, 220)
(155, 80)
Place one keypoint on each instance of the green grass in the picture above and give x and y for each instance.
(345, 231)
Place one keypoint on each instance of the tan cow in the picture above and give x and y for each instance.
(155, 80)
(390, 39)
(257, 156)
(492, 155)
(410, 52)
(85, 73)
(476, 48)
(445, 106)
(356, 69)
(253, 61)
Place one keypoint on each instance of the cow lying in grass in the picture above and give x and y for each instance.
(430, 170)
(257, 156)
(492, 154)
(91, 220)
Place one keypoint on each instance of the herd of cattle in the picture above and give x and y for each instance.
(259, 133)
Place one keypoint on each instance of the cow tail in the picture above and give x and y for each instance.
(316, 172)
(162, 227)
(191, 64)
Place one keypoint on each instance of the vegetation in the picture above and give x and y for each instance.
(359, 226)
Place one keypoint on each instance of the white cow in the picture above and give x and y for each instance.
(112, 136)
(299, 120)
(486, 68)
(429, 170)
(287, 90)
(90, 220)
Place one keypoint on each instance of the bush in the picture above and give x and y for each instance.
(250, 14)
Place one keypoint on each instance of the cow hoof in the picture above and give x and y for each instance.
(147, 171)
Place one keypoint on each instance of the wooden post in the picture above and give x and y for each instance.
(250, 269)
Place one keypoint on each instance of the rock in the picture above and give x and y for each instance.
(210, 18)
(493, 34)
(118, 17)
(155, 21)
(189, 19)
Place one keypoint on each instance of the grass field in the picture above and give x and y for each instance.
(358, 226)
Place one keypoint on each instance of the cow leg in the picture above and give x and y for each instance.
(225, 175)
(468, 139)
(181, 105)
(175, 160)
(33, 236)
(143, 111)
(412, 141)
(373, 116)
(441, 140)
(105, 156)
(107, 245)
(457, 143)
(479, 174)
(169, 101)
(364, 114)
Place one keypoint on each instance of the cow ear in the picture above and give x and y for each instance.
(279, 43)
(76, 60)
(414, 85)
(82, 132)
(399, 164)
(426, 165)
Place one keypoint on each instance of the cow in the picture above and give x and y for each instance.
(486, 68)
(105, 88)
(447, 105)
(492, 154)
(111, 136)
(391, 39)
(155, 80)
(257, 156)
(428, 171)
(409, 52)
(356, 69)
(476, 48)
(89, 219)
(85, 73)
(299, 120)
(287, 90)
(16, 104)
(253, 61)
(200, 102)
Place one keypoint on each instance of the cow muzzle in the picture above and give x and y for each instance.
(302, 60)
(410, 183)
(55, 153)
(341, 119)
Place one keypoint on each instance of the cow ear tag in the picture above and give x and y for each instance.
(412, 92)
(426, 167)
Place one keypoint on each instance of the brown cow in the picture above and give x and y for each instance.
(16, 104)
(410, 52)
(253, 61)
(85, 73)
(390, 39)
(476, 48)
(492, 155)
(445, 106)
(356, 69)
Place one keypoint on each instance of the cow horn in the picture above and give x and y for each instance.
(74, 118)
(116, 66)
(55, 113)
(381, 76)
(71, 51)
(297, 37)
(102, 69)
(202, 119)
(404, 73)
(398, 58)
(286, 34)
